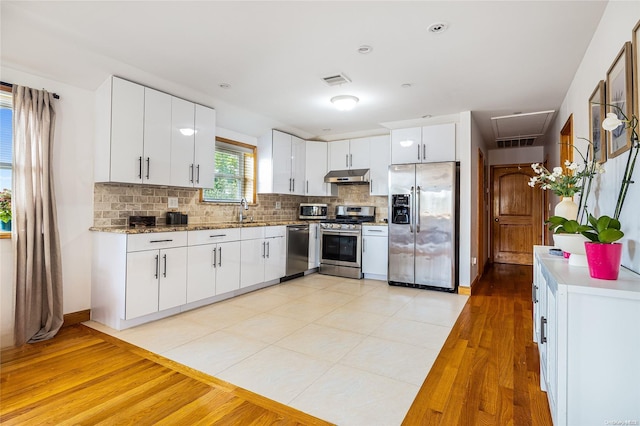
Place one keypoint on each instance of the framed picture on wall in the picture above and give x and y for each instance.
(635, 44)
(619, 93)
(596, 116)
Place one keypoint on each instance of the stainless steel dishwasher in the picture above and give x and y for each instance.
(297, 250)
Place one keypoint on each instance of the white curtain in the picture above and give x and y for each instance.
(38, 269)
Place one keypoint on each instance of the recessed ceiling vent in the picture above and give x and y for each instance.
(336, 80)
(515, 143)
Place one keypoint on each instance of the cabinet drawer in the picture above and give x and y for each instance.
(375, 231)
(210, 236)
(252, 233)
(275, 231)
(156, 240)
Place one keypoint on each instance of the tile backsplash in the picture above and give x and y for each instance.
(114, 203)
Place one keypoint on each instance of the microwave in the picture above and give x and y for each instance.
(312, 211)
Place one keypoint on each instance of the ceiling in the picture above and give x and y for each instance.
(494, 59)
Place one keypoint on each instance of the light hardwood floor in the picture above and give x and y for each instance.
(486, 373)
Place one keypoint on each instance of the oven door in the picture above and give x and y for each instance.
(340, 247)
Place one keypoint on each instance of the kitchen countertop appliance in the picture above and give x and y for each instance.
(312, 211)
(297, 251)
(423, 225)
(341, 241)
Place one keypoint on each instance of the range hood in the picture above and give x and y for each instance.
(347, 176)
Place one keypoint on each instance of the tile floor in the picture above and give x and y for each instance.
(352, 352)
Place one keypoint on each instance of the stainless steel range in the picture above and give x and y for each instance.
(341, 241)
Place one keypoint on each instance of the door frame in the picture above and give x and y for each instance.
(493, 167)
(481, 235)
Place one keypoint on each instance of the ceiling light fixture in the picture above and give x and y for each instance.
(187, 131)
(224, 86)
(344, 102)
(364, 49)
(406, 85)
(438, 27)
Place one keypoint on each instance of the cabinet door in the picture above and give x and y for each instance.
(439, 143)
(157, 138)
(338, 152)
(379, 160)
(406, 145)
(374, 255)
(316, 168)
(276, 257)
(205, 146)
(182, 142)
(143, 273)
(201, 272)
(228, 270)
(173, 278)
(359, 153)
(282, 180)
(298, 160)
(127, 129)
(314, 246)
(253, 253)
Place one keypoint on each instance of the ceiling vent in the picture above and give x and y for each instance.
(515, 143)
(336, 80)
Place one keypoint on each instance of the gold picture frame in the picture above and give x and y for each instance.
(635, 44)
(597, 135)
(619, 93)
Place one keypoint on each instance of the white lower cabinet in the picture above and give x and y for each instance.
(263, 254)
(588, 335)
(214, 263)
(375, 251)
(314, 246)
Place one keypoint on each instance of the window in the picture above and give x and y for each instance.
(6, 137)
(234, 174)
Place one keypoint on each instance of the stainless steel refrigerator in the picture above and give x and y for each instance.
(423, 224)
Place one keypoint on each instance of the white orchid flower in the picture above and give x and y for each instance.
(611, 122)
(557, 171)
(552, 178)
(571, 166)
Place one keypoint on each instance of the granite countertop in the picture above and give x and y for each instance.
(194, 227)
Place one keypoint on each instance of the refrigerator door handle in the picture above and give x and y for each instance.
(418, 209)
(413, 212)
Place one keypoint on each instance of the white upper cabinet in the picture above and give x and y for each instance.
(182, 142)
(205, 147)
(379, 160)
(424, 144)
(157, 138)
(139, 138)
(281, 164)
(316, 169)
(349, 154)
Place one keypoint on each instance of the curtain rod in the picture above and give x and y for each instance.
(2, 83)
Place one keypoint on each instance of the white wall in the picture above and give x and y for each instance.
(529, 154)
(614, 29)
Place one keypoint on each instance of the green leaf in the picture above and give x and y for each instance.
(593, 221)
(610, 235)
(592, 236)
(603, 223)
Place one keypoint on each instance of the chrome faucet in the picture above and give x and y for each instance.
(245, 206)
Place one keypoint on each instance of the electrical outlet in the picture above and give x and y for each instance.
(278, 205)
(172, 202)
(474, 260)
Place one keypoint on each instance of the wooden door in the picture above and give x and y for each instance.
(516, 215)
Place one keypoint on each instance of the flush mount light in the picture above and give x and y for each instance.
(427, 116)
(187, 131)
(344, 102)
(438, 27)
(224, 86)
(406, 85)
(364, 49)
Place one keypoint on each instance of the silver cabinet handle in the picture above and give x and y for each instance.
(160, 241)
(294, 185)
(164, 272)
(198, 173)
(424, 151)
(140, 167)
(268, 250)
(217, 235)
(534, 296)
(290, 184)
(214, 255)
(219, 256)
(418, 151)
(543, 323)
(374, 230)
(148, 166)
(363, 245)
(413, 212)
(350, 160)
(191, 173)
(157, 266)
(346, 160)
(418, 190)
(307, 187)
(264, 249)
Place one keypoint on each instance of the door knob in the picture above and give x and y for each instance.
(496, 219)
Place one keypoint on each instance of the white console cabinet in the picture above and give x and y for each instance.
(588, 335)
(375, 251)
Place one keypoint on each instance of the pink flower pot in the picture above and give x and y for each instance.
(603, 260)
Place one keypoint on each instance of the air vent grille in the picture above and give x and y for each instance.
(515, 143)
(335, 80)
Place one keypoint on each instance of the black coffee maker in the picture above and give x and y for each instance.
(177, 218)
(400, 210)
